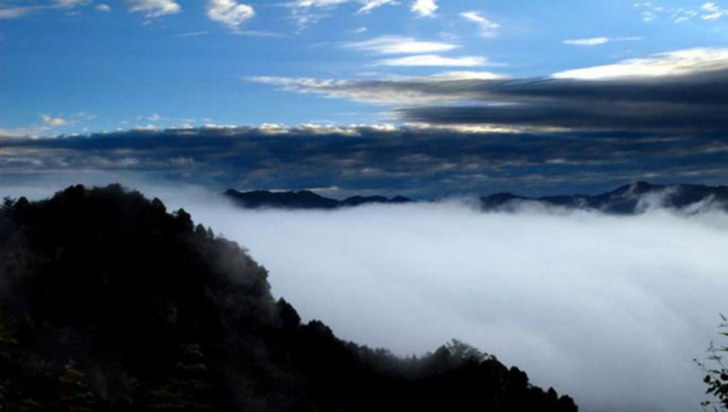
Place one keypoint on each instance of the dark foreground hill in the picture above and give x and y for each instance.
(626, 200)
(110, 303)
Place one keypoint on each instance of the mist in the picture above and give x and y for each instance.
(610, 310)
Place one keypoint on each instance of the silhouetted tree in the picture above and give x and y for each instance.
(716, 373)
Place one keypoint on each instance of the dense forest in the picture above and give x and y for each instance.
(109, 302)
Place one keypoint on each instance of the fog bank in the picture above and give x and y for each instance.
(611, 310)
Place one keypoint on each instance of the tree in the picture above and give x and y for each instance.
(74, 394)
(716, 373)
(188, 389)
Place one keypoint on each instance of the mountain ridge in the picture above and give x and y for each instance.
(628, 199)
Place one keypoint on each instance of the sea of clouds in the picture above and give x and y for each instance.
(611, 310)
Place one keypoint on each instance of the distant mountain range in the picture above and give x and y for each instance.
(629, 199)
(304, 199)
(625, 200)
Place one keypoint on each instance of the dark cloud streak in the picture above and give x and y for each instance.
(415, 162)
(695, 102)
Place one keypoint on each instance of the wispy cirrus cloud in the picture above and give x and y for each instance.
(664, 64)
(69, 4)
(11, 13)
(153, 9)
(487, 27)
(712, 11)
(434, 60)
(455, 86)
(592, 41)
(309, 12)
(707, 12)
(369, 5)
(598, 41)
(399, 45)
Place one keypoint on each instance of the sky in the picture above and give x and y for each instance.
(541, 97)
(78, 66)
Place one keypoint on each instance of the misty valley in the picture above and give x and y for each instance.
(113, 301)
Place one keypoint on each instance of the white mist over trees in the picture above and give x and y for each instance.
(609, 309)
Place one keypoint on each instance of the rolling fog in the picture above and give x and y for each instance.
(610, 310)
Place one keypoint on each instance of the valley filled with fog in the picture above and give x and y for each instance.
(609, 309)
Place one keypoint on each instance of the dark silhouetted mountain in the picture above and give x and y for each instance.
(303, 200)
(630, 199)
(110, 303)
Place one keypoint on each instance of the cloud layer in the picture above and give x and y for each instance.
(417, 161)
(610, 310)
(677, 92)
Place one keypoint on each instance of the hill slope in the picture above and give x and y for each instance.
(109, 302)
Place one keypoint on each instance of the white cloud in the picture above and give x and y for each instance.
(707, 12)
(369, 5)
(193, 33)
(593, 41)
(399, 45)
(18, 12)
(47, 124)
(467, 75)
(50, 121)
(303, 11)
(308, 12)
(596, 41)
(319, 3)
(392, 90)
(69, 4)
(675, 63)
(147, 127)
(424, 8)
(103, 8)
(712, 11)
(153, 8)
(229, 13)
(434, 60)
(488, 27)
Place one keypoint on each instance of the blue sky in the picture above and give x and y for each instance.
(74, 66)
